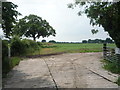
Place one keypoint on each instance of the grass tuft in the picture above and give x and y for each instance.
(14, 61)
(118, 81)
(112, 67)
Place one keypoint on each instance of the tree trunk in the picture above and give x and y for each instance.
(34, 38)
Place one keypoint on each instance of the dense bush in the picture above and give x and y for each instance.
(17, 47)
(30, 46)
(5, 66)
(5, 60)
(40, 44)
(33, 44)
(4, 48)
(30, 43)
(23, 47)
(8, 64)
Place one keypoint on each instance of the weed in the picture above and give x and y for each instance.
(118, 81)
(14, 61)
(111, 66)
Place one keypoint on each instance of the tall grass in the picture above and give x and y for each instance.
(14, 61)
(112, 67)
(8, 64)
(118, 81)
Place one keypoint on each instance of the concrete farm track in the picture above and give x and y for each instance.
(70, 70)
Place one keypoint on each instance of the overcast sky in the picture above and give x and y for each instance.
(68, 25)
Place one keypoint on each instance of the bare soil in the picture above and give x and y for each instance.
(71, 70)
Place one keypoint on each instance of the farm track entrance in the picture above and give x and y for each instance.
(70, 70)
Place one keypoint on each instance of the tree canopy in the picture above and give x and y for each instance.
(9, 16)
(33, 26)
(105, 14)
(52, 41)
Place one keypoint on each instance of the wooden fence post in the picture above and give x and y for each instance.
(104, 50)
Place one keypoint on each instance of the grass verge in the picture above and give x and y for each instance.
(8, 64)
(14, 61)
(112, 67)
(118, 81)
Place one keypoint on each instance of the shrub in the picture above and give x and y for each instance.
(5, 66)
(30, 43)
(5, 60)
(40, 44)
(8, 64)
(30, 46)
(4, 48)
(26, 43)
(17, 47)
(33, 44)
(43, 40)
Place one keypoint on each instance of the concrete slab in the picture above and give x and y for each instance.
(71, 70)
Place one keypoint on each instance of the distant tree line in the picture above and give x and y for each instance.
(108, 40)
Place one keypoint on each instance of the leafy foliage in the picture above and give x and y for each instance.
(33, 26)
(23, 47)
(118, 81)
(43, 40)
(111, 66)
(4, 48)
(5, 66)
(9, 16)
(5, 60)
(84, 41)
(14, 61)
(30, 46)
(105, 14)
(17, 47)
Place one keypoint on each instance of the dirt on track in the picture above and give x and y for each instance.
(71, 70)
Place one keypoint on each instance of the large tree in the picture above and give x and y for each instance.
(9, 16)
(105, 14)
(33, 26)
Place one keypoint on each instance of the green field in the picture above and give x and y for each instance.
(71, 48)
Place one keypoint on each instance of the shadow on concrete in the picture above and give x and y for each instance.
(18, 79)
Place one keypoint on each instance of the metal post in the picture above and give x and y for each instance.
(9, 51)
